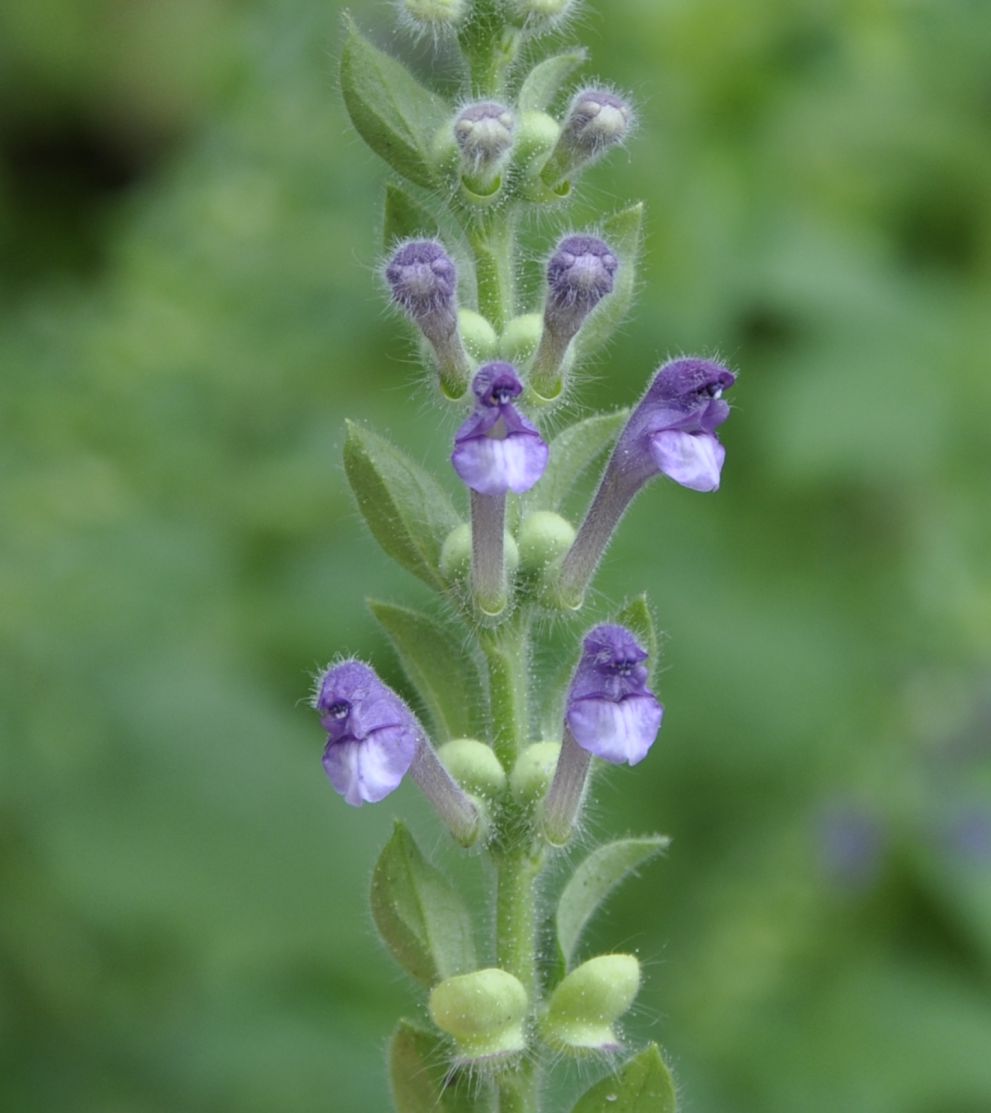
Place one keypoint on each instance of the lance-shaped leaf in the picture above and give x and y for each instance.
(572, 452)
(395, 115)
(438, 665)
(419, 913)
(407, 511)
(545, 79)
(642, 1085)
(594, 880)
(419, 1075)
(623, 232)
(638, 616)
(405, 219)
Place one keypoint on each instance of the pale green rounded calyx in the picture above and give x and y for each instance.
(477, 335)
(533, 771)
(474, 766)
(544, 537)
(455, 553)
(586, 1004)
(520, 337)
(483, 1012)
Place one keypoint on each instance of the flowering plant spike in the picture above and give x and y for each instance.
(503, 750)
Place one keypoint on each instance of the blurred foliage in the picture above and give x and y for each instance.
(188, 311)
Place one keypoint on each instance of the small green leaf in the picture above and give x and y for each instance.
(622, 231)
(419, 1075)
(638, 616)
(437, 664)
(545, 79)
(572, 452)
(407, 511)
(642, 1085)
(595, 879)
(404, 218)
(395, 115)
(420, 915)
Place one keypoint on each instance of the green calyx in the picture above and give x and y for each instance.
(474, 766)
(483, 1012)
(533, 770)
(544, 537)
(455, 554)
(586, 1004)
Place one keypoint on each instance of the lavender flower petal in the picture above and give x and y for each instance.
(373, 737)
(611, 712)
(497, 449)
(693, 460)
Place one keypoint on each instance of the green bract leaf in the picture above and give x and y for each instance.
(405, 219)
(407, 511)
(438, 666)
(395, 115)
(622, 232)
(642, 1085)
(572, 452)
(638, 617)
(545, 79)
(420, 915)
(594, 880)
(419, 1075)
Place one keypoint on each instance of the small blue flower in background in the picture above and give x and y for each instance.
(611, 712)
(373, 737)
(497, 449)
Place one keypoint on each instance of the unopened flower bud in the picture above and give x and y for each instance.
(483, 1011)
(474, 766)
(580, 274)
(484, 134)
(424, 281)
(588, 1002)
(597, 120)
(533, 771)
(541, 14)
(434, 15)
(544, 538)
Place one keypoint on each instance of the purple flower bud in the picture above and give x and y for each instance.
(484, 133)
(596, 120)
(610, 711)
(497, 450)
(373, 737)
(579, 275)
(424, 281)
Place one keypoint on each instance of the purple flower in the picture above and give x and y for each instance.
(497, 450)
(673, 430)
(373, 737)
(611, 712)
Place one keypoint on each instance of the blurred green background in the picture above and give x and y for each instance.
(189, 233)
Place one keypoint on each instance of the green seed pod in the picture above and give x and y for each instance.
(474, 766)
(477, 334)
(483, 1011)
(533, 770)
(586, 1004)
(544, 537)
(455, 553)
(520, 337)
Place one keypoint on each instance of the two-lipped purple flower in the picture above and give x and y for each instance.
(611, 712)
(497, 450)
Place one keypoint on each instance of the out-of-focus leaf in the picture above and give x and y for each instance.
(623, 233)
(642, 1085)
(404, 218)
(395, 115)
(419, 1075)
(544, 80)
(438, 665)
(420, 915)
(408, 513)
(594, 880)
(572, 452)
